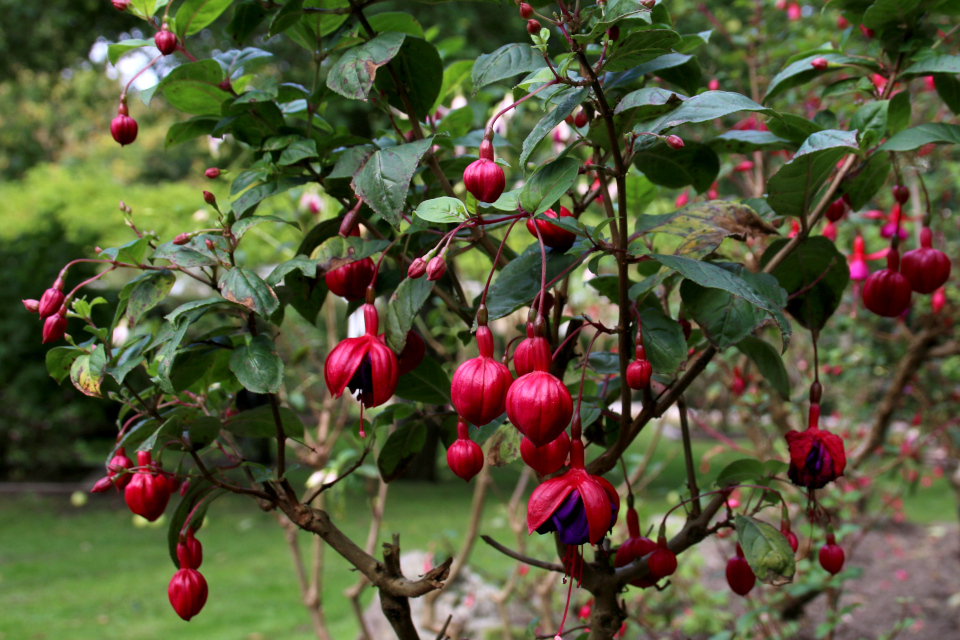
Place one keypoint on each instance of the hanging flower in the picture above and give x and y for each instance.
(363, 364)
(816, 456)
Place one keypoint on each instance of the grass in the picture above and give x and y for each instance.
(88, 574)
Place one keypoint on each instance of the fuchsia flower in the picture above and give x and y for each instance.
(580, 507)
(484, 178)
(532, 350)
(636, 546)
(479, 385)
(363, 364)
(816, 456)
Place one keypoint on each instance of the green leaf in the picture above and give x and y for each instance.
(816, 268)
(457, 123)
(506, 62)
(259, 423)
(934, 64)
(255, 195)
(297, 151)
(385, 178)
(641, 193)
(707, 274)
(614, 11)
(240, 227)
(551, 120)
(799, 71)
(948, 88)
(199, 365)
(794, 128)
(194, 15)
(114, 51)
(288, 16)
(197, 305)
(257, 366)
(868, 180)
(912, 139)
(400, 449)
(767, 551)
(428, 383)
(399, 21)
(453, 77)
(245, 287)
(404, 305)
(60, 360)
(353, 74)
(724, 318)
(707, 106)
(744, 470)
(504, 445)
(547, 184)
(148, 293)
(188, 130)
(870, 121)
(519, 281)
(641, 47)
(247, 17)
(885, 12)
(769, 363)
(792, 189)
(420, 72)
(650, 102)
(442, 210)
(695, 164)
(748, 142)
(663, 340)
(194, 88)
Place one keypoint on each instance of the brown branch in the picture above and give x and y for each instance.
(533, 562)
(688, 459)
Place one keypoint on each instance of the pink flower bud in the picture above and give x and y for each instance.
(33, 306)
(525, 11)
(436, 268)
(55, 326)
(165, 40)
(209, 198)
(416, 269)
(187, 592)
(533, 27)
(209, 243)
(713, 85)
(123, 128)
(50, 302)
(212, 172)
(120, 5)
(103, 484)
(819, 64)
(675, 142)
(182, 238)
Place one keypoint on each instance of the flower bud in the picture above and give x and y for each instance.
(123, 128)
(674, 142)
(50, 301)
(901, 194)
(117, 467)
(613, 33)
(582, 119)
(55, 326)
(416, 269)
(484, 178)
(351, 280)
(187, 592)
(148, 492)
(182, 238)
(436, 268)
(120, 5)
(819, 64)
(464, 456)
(165, 40)
(212, 173)
(33, 306)
(209, 198)
(189, 551)
(525, 11)
(209, 244)
(533, 27)
(103, 484)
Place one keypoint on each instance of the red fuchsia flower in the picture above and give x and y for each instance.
(120, 5)
(101, 485)
(634, 547)
(746, 165)
(484, 178)
(189, 551)
(713, 85)
(789, 535)
(740, 576)
(533, 27)
(639, 371)
(831, 555)
(580, 507)
(842, 23)
(553, 236)
(123, 128)
(55, 326)
(187, 592)
(165, 40)
(117, 469)
(794, 11)
(901, 193)
(739, 385)
(479, 386)
(817, 456)
(682, 200)
(363, 364)
(539, 405)
(887, 292)
(533, 351)
(830, 231)
(464, 456)
(894, 224)
(926, 268)
(858, 263)
(663, 561)
(546, 459)
(351, 280)
(582, 119)
(837, 209)
(148, 491)
(938, 300)
(819, 64)
(794, 229)
(674, 142)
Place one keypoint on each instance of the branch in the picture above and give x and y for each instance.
(533, 562)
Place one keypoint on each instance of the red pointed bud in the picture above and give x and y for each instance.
(533, 27)
(837, 209)
(417, 268)
(50, 301)
(887, 292)
(484, 178)
(209, 244)
(479, 385)
(554, 236)
(189, 551)
(663, 561)
(901, 194)
(182, 238)
(209, 198)
(165, 40)
(351, 280)
(103, 484)
(33, 306)
(582, 119)
(713, 85)
(546, 459)
(187, 592)
(674, 142)
(819, 64)
(927, 269)
(938, 300)
(638, 374)
(832, 556)
(120, 5)
(123, 128)
(539, 406)
(148, 492)
(436, 268)
(740, 576)
(525, 11)
(212, 173)
(869, 33)
(55, 326)
(746, 165)
(117, 467)
(464, 456)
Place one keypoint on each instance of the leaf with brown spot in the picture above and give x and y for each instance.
(245, 287)
(704, 226)
(353, 74)
(86, 373)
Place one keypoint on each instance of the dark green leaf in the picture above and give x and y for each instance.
(792, 189)
(794, 128)
(400, 449)
(815, 260)
(744, 470)
(506, 62)
(257, 366)
(550, 181)
(353, 74)
(247, 16)
(297, 151)
(707, 106)
(190, 129)
(428, 383)
(194, 88)
(695, 164)
(245, 287)
(769, 363)
(934, 64)
(641, 47)
(911, 139)
(948, 88)
(259, 423)
(650, 102)
(289, 15)
(868, 180)
(767, 551)
(194, 15)
(257, 194)
(420, 72)
(519, 281)
(59, 361)
(404, 305)
(870, 121)
(385, 178)
(800, 71)
(551, 120)
(148, 293)
(663, 340)
(748, 142)
(240, 227)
